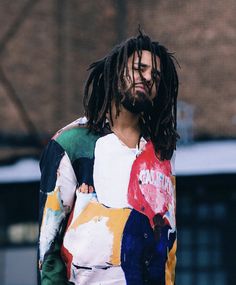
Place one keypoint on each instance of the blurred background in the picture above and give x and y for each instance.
(45, 49)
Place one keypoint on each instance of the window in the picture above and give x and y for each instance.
(205, 215)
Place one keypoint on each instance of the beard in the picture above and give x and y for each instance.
(138, 103)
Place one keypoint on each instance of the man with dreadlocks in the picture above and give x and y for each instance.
(107, 204)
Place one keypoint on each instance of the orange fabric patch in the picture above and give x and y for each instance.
(170, 265)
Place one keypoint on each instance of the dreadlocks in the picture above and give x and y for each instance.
(107, 76)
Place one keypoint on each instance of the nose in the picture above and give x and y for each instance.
(147, 76)
(144, 76)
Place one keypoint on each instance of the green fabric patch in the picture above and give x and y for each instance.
(78, 142)
(54, 269)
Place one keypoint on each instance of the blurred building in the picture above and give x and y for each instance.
(47, 46)
(45, 50)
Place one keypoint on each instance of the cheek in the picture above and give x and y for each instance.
(137, 77)
(133, 75)
(130, 79)
(128, 82)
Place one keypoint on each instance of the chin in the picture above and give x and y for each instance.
(138, 103)
(141, 95)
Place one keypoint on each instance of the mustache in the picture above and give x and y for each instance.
(147, 86)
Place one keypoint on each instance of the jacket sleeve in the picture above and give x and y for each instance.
(57, 193)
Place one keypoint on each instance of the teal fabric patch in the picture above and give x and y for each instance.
(78, 142)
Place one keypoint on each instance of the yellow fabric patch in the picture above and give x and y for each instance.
(117, 219)
(170, 265)
(53, 201)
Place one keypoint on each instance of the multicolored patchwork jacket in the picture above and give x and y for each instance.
(123, 230)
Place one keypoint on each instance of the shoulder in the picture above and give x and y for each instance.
(76, 139)
(71, 133)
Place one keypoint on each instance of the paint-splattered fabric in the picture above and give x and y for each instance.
(123, 231)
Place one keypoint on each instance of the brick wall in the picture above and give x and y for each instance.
(51, 44)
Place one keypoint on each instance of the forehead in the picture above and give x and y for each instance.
(146, 58)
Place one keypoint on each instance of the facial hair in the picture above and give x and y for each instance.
(138, 103)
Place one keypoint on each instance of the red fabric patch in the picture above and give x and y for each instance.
(150, 190)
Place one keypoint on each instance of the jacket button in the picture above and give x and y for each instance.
(145, 235)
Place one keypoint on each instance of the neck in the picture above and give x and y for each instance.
(126, 126)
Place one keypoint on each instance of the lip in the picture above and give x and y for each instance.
(140, 87)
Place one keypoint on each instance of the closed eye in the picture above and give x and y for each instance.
(141, 69)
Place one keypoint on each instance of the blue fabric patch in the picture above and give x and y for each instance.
(143, 257)
(49, 163)
(83, 168)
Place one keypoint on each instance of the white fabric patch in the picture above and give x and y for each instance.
(66, 181)
(49, 230)
(87, 239)
(112, 167)
(110, 276)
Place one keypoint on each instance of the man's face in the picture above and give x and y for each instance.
(141, 82)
